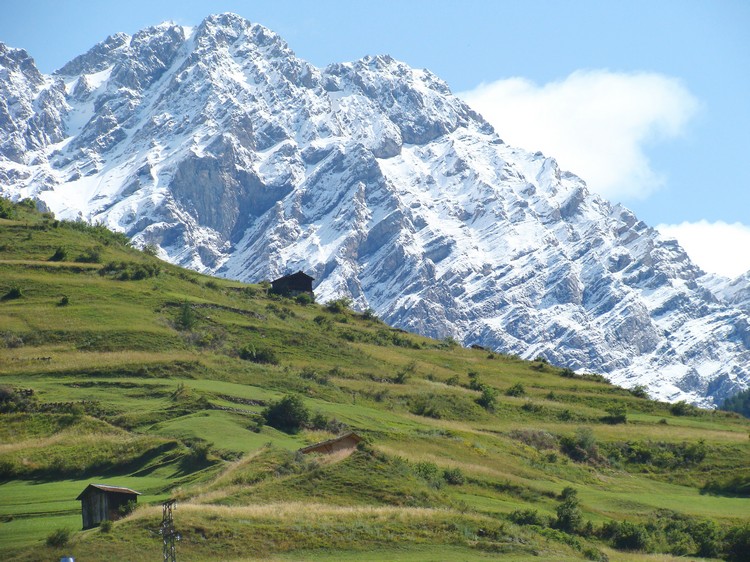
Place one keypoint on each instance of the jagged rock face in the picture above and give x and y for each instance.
(734, 292)
(237, 158)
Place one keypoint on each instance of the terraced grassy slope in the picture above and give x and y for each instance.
(118, 368)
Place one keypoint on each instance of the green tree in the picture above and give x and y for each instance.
(288, 414)
(187, 317)
(739, 403)
(569, 516)
(488, 398)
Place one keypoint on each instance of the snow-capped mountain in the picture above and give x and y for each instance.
(234, 156)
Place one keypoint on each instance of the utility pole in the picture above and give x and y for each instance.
(168, 533)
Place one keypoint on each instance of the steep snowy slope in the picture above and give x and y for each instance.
(237, 158)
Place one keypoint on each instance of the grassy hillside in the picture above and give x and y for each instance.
(118, 368)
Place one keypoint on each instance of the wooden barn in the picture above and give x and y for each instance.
(347, 441)
(294, 284)
(102, 503)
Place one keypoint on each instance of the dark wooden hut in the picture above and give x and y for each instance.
(102, 503)
(294, 284)
(347, 441)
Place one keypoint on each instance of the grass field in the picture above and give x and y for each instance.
(128, 371)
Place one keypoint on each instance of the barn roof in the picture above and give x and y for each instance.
(346, 435)
(295, 276)
(105, 488)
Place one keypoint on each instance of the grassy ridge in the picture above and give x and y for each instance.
(116, 367)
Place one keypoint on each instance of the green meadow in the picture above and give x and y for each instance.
(120, 369)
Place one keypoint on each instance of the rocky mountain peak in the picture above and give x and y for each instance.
(236, 157)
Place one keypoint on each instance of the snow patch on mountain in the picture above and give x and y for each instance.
(237, 158)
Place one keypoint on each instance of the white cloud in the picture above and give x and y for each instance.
(717, 247)
(595, 123)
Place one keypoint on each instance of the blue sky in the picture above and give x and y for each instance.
(647, 101)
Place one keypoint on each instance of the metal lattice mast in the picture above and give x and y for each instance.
(168, 533)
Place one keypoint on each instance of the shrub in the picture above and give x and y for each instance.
(61, 254)
(454, 476)
(59, 537)
(199, 454)
(516, 390)
(737, 543)
(569, 516)
(532, 407)
(538, 439)
(529, 517)
(105, 526)
(369, 314)
(488, 399)
(187, 318)
(7, 209)
(626, 535)
(682, 408)
(615, 415)
(14, 293)
(311, 374)
(150, 249)
(639, 391)
(449, 342)
(322, 321)
(288, 414)
(12, 400)
(91, 255)
(474, 382)
(259, 355)
(452, 380)
(581, 446)
(64, 301)
(739, 403)
(338, 306)
(304, 299)
(736, 485)
(426, 470)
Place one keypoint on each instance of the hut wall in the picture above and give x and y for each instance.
(94, 509)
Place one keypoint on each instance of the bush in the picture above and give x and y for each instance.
(682, 408)
(516, 390)
(452, 380)
(187, 317)
(58, 537)
(288, 414)
(639, 391)
(736, 485)
(369, 314)
(737, 543)
(64, 301)
(259, 355)
(338, 306)
(91, 255)
(454, 476)
(61, 254)
(474, 382)
(569, 516)
(304, 299)
(739, 403)
(540, 440)
(529, 517)
(14, 293)
(7, 209)
(105, 526)
(626, 535)
(488, 399)
(580, 447)
(150, 250)
(615, 415)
